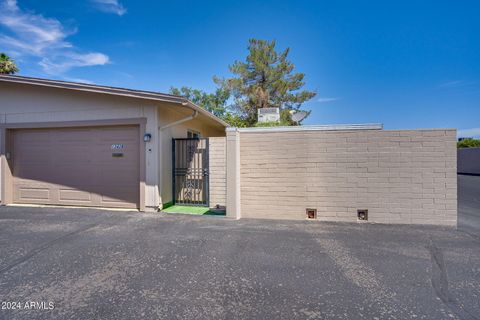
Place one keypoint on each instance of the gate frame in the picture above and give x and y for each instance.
(207, 176)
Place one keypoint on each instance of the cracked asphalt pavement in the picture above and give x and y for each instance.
(96, 264)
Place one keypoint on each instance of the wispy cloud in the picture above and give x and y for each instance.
(125, 74)
(469, 133)
(110, 6)
(78, 80)
(456, 84)
(327, 99)
(33, 35)
(67, 60)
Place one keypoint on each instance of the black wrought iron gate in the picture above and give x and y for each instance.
(190, 171)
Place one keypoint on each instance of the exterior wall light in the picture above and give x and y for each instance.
(147, 137)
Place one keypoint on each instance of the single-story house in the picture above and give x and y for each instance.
(65, 143)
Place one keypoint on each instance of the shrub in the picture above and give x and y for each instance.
(468, 143)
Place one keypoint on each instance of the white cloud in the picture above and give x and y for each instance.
(66, 61)
(33, 35)
(110, 6)
(327, 99)
(469, 133)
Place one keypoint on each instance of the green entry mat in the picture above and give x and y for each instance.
(192, 210)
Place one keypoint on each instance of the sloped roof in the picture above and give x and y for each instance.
(140, 94)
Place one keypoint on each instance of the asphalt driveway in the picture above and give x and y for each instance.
(469, 204)
(95, 264)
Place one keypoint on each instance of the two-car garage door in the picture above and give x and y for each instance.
(90, 166)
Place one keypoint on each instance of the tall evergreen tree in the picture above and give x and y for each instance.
(265, 79)
(7, 65)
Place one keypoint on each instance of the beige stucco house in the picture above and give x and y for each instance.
(65, 143)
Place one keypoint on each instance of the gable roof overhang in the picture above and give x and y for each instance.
(139, 94)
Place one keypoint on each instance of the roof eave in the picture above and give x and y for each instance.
(139, 94)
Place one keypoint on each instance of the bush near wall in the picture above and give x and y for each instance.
(468, 143)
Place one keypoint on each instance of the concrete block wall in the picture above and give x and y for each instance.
(218, 171)
(406, 176)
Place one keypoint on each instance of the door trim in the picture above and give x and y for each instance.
(6, 138)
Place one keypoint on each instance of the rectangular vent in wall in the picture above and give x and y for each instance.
(311, 213)
(362, 214)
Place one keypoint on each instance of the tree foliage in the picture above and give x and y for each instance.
(7, 65)
(468, 143)
(214, 102)
(235, 120)
(266, 79)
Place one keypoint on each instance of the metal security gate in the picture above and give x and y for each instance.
(190, 171)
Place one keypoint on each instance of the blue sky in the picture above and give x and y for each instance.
(406, 64)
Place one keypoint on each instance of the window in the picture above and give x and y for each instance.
(193, 134)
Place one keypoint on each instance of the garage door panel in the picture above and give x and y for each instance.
(25, 193)
(31, 181)
(117, 134)
(119, 164)
(74, 195)
(34, 137)
(53, 185)
(31, 172)
(76, 135)
(65, 155)
(70, 175)
(122, 180)
(117, 199)
(75, 181)
(60, 176)
(76, 166)
(33, 154)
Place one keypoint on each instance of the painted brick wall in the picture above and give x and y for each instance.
(217, 152)
(399, 176)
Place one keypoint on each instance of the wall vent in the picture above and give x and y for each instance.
(311, 213)
(362, 214)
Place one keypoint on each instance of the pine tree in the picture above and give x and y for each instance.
(265, 79)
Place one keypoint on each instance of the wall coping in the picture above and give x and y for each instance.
(335, 127)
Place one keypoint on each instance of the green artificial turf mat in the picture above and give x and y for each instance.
(191, 210)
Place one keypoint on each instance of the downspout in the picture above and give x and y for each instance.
(171, 124)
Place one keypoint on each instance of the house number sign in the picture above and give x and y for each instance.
(117, 146)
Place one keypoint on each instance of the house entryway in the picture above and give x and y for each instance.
(190, 172)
